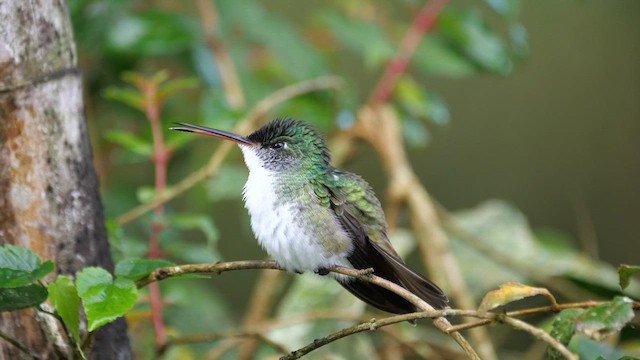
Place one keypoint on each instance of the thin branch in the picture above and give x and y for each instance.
(19, 346)
(200, 338)
(528, 312)
(216, 269)
(245, 125)
(371, 325)
(540, 334)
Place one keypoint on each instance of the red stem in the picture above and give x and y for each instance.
(423, 22)
(160, 159)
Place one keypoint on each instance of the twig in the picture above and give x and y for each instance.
(18, 345)
(200, 338)
(532, 311)
(67, 344)
(216, 268)
(371, 325)
(226, 69)
(540, 334)
(245, 125)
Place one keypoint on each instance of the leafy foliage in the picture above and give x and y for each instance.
(64, 298)
(104, 298)
(16, 298)
(20, 267)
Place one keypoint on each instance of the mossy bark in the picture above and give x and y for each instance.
(49, 195)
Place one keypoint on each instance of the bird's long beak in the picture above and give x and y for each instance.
(197, 129)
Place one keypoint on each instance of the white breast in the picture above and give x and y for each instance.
(277, 225)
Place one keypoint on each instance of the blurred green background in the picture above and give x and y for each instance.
(558, 138)
(532, 102)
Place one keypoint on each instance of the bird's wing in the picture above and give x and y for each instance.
(360, 214)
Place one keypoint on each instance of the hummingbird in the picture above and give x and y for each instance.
(311, 216)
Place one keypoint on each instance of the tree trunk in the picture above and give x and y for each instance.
(49, 199)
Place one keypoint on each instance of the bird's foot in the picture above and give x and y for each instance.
(322, 271)
(365, 272)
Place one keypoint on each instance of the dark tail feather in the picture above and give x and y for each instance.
(378, 297)
(393, 269)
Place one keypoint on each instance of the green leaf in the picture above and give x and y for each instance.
(435, 56)
(564, 327)
(606, 319)
(130, 142)
(64, 297)
(469, 32)
(419, 103)
(625, 272)
(502, 231)
(103, 298)
(136, 269)
(20, 266)
(22, 297)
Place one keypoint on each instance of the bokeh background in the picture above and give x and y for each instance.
(533, 102)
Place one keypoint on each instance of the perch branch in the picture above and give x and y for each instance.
(426, 311)
(218, 268)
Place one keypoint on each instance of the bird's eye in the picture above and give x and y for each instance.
(278, 145)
